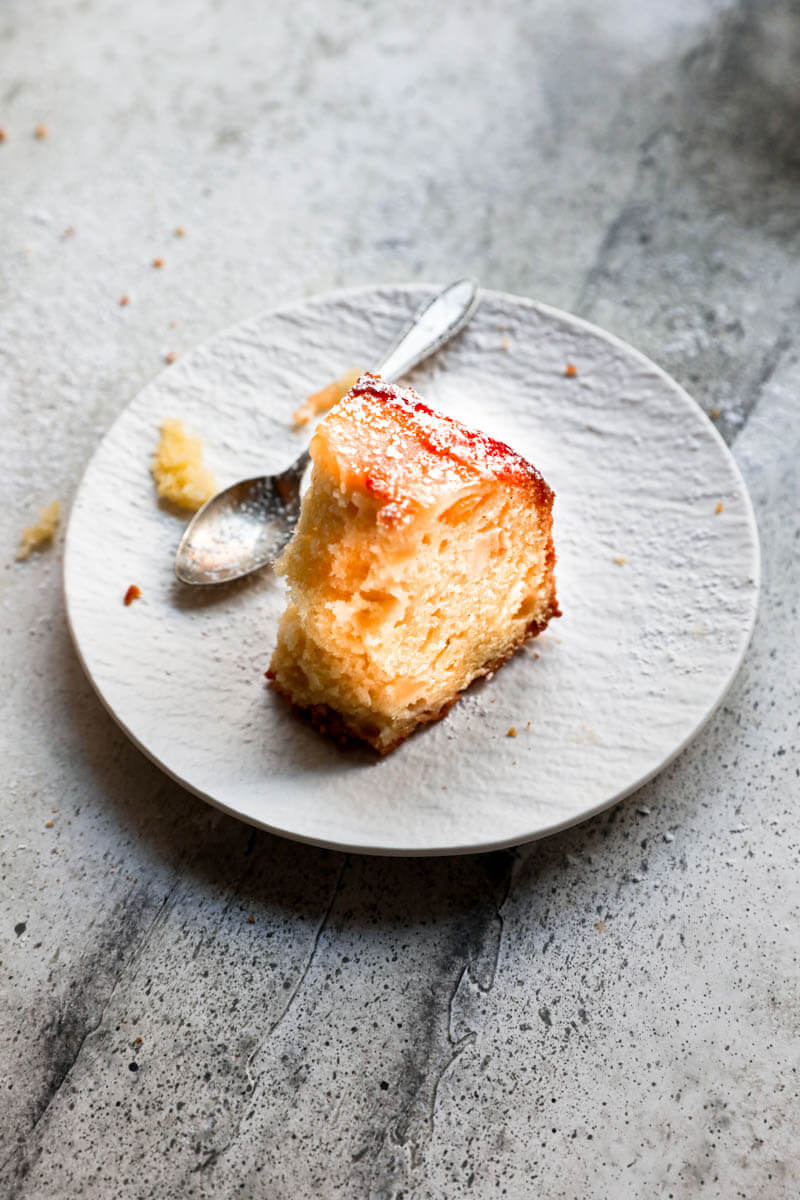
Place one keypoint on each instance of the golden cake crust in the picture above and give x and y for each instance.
(382, 440)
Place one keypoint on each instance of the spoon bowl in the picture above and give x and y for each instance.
(241, 528)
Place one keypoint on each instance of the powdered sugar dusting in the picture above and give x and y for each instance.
(398, 449)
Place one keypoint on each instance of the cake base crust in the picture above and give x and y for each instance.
(335, 725)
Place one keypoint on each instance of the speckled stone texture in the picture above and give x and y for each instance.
(192, 1008)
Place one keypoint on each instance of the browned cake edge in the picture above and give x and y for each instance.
(336, 726)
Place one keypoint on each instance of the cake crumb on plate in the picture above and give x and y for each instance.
(178, 469)
(323, 400)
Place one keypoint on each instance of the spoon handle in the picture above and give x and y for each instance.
(431, 326)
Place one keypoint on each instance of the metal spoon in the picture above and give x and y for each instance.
(246, 526)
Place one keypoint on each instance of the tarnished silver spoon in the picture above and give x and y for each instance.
(245, 526)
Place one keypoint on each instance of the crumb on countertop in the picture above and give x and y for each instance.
(620, 560)
(170, 357)
(180, 231)
(570, 371)
(133, 593)
(325, 399)
(715, 414)
(158, 263)
(512, 732)
(3, 135)
(40, 133)
(718, 509)
(124, 301)
(180, 474)
(40, 534)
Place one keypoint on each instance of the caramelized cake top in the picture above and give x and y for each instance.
(381, 439)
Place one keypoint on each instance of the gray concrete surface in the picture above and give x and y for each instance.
(530, 1023)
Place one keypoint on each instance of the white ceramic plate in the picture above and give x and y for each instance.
(601, 701)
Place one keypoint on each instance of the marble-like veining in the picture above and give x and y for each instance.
(193, 1008)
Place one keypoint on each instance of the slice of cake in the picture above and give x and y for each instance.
(422, 559)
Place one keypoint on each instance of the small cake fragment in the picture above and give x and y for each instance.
(177, 467)
(324, 400)
(41, 533)
(423, 558)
